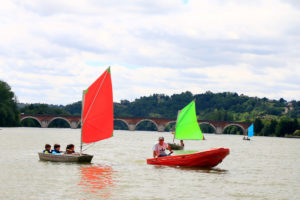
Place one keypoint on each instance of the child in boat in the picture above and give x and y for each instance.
(56, 150)
(70, 149)
(47, 149)
(181, 143)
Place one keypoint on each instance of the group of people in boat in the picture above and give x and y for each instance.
(56, 151)
(246, 138)
(159, 149)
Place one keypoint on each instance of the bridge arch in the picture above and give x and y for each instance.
(122, 120)
(170, 123)
(234, 124)
(31, 117)
(210, 124)
(54, 118)
(149, 120)
(168, 126)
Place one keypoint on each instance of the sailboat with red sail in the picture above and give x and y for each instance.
(96, 119)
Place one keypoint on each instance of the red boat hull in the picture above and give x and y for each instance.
(203, 159)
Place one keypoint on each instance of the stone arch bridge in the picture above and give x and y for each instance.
(133, 122)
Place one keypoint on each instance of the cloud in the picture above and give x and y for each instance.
(51, 50)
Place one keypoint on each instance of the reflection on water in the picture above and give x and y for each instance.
(96, 179)
(203, 170)
(196, 169)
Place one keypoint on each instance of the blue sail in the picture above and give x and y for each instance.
(251, 131)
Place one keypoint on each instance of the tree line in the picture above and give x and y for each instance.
(9, 114)
(280, 127)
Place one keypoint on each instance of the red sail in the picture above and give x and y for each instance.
(97, 116)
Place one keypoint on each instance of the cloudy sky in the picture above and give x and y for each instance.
(50, 50)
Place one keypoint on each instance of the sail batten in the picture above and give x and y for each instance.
(97, 115)
(187, 127)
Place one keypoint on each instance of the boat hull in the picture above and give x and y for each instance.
(175, 146)
(83, 158)
(203, 159)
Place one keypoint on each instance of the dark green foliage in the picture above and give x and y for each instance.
(146, 126)
(30, 123)
(258, 125)
(268, 128)
(120, 125)
(43, 109)
(74, 108)
(206, 128)
(219, 115)
(59, 123)
(224, 106)
(233, 130)
(9, 114)
(286, 126)
(156, 105)
(170, 127)
(297, 133)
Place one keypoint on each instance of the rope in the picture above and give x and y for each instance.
(89, 146)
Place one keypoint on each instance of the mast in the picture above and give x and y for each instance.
(176, 125)
(82, 105)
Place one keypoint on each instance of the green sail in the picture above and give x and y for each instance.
(187, 127)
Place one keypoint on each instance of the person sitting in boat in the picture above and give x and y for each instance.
(160, 147)
(47, 149)
(70, 149)
(56, 150)
(181, 143)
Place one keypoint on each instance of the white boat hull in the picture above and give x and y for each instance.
(83, 158)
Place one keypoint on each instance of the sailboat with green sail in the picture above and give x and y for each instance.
(187, 128)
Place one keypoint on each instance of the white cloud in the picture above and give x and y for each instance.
(153, 46)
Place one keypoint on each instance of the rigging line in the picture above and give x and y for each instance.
(88, 146)
(95, 97)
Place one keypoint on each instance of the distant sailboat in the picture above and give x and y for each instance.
(96, 119)
(187, 128)
(250, 132)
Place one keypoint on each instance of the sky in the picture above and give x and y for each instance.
(51, 50)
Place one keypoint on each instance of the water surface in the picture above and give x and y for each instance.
(263, 168)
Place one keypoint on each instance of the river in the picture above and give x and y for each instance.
(263, 168)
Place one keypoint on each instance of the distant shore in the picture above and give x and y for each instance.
(292, 136)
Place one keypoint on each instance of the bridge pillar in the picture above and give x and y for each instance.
(245, 132)
(161, 128)
(131, 127)
(74, 124)
(44, 124)
(219, 130)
